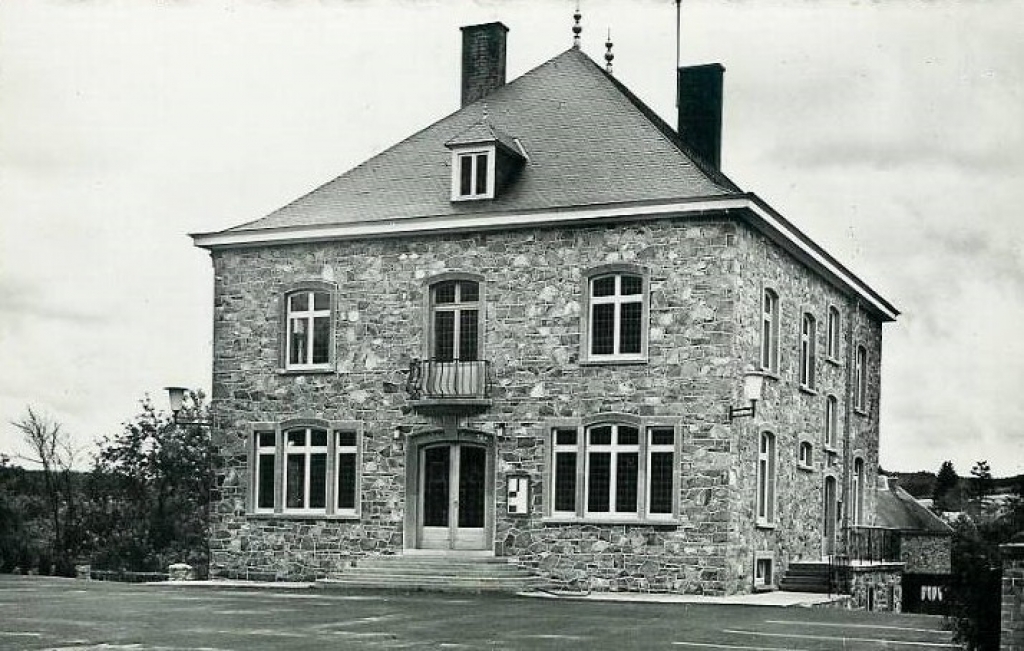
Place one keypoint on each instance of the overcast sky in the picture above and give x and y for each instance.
(891, 133)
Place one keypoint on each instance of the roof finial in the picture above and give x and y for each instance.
(608, 56)
(484, 119)
(577, 28)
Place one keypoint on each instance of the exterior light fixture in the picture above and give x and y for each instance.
(753, 383)
(176, 397)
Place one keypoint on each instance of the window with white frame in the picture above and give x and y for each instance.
(832, 336)
(770, 331)
(857, 492)
(617, 316)
(861, 372)
(455, 320)
(766, 479)
(309, 324)
(473, 176)
(831, 422)
(763, 571)
(805, 455)
(808, 352)
(307, 469)
(613, 471)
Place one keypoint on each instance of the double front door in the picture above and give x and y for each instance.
(453, 496)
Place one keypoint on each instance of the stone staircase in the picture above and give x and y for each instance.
(440, 573)
(807, 577)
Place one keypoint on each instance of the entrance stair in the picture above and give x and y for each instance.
(441, 573)
(807, 577)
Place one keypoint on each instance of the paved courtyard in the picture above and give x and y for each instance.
(51, 613)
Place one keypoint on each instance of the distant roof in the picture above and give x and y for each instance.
(589, 140)
(897, 509)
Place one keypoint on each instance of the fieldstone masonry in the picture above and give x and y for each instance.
(706, 282)
(1012, 612)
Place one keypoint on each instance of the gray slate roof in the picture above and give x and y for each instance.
(897, 509)
(590, 141)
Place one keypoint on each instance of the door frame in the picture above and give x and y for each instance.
(829, 515)
(416, 442)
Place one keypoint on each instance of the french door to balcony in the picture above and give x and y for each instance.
(453, 496)
(455, 321)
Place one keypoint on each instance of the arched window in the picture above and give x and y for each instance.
(766, 479)
(805, 455)
(831, 422)
(832, 345)
(808, 353)
(770, 331)
(857, 490)
(862, 378)
(616, 316)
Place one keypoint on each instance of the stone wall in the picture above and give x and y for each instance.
(926, 553)
(878, 588)
(703, 333)
(1012, 610)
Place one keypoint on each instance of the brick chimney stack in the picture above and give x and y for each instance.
(699, 91)
(483, 60)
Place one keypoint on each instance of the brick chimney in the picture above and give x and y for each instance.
(699, 91)
(483, 60)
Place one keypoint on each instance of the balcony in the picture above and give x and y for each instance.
(449, 386)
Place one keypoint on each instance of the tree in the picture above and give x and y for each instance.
(52, 449)
(983, 482)
(947, 489)
(151, 490)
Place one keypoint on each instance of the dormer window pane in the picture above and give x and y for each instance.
(466, 175)
(481, 174)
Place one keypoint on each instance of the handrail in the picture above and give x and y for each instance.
(448, 378)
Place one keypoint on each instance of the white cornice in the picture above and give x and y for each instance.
(758, 213)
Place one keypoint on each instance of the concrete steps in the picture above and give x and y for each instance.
(442, 573)
(807, 577)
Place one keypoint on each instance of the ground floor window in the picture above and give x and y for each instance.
(613, 471)
(763, 571)
(305, 468)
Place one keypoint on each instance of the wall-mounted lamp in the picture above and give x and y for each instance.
(176, 396)
(753, 382)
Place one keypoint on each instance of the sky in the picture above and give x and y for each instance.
(890, 132)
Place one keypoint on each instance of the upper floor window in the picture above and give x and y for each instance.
(832, 342)
(805, 455)
(309, 324)
(766, 479)
(857, 492)
(861, 373)
(455, 320)
(770, 331)
(305, 469)
(475, 175)
(808, 353)
(613, 471)
(617, 316)
(831, 422)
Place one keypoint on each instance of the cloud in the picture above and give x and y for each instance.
(22, 302)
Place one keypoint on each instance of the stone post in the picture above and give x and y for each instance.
(180, 572)
(1011, 636)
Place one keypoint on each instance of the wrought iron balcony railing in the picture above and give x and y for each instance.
(449, 380)
(873, 544)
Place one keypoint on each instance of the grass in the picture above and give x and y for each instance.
(51, 613)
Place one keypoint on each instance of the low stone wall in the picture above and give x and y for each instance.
(1012, 609)
(926, 553)
(877, 587)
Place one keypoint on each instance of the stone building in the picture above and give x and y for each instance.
(521, 332)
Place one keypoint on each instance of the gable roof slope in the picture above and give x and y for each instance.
(589, 140)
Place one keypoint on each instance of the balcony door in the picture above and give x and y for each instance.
(453, 496)
(455, 321)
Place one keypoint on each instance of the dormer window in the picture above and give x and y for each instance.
(474, 174)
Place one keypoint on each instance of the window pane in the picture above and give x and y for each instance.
(298, 302)
(297, 334)
(444, 293)
(565, 437)
(444, 336)
(317, 481)
(601, 435)
(465, 175)
(346, 481)
(628, 435)
(347, 439)
(321, 301)
(565, 481)
(469, 292)
(472, 486)
(632, 285)
(321, 339)
(265, 481)
(626, 481)
(662, 436)
(297, 437)
(319, 437)
(295, 491)
(600, 482)
(266, 439)
(481, 174)
(661, 482)
(630, 328)
(604, 286)
(436, 466)
(602, 330)
(468, 348)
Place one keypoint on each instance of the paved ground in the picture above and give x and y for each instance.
(48, 613)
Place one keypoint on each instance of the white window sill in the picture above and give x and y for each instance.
(833, 361)
(761, 524)
(292, 515)
(808, 390)
(829, 449)
(805, 467)
(860, 412)
(567, 519)
(769, 374)
(306, 370)
(612, 361)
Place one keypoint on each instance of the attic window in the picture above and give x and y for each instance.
(473, 174)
